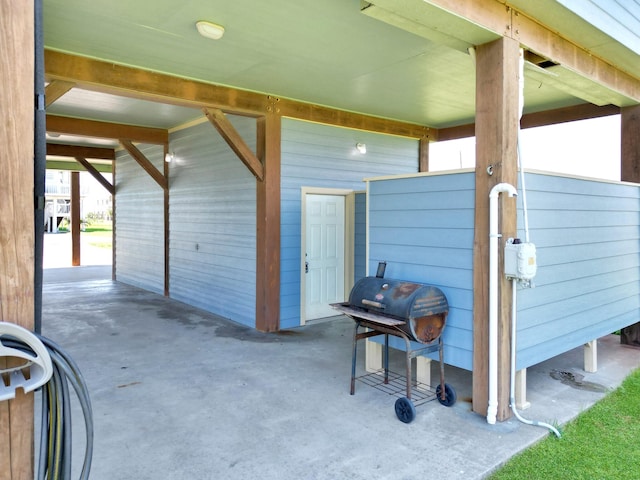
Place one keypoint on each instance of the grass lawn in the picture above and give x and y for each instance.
(99, 234)
(601, 443)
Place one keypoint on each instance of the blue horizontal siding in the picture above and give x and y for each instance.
(423, 227)
(213, 222)
(315, 155)
(587, 235)
(139, 218)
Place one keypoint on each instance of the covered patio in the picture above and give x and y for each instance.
(178, 392)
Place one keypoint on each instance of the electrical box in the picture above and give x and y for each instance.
(520, 260)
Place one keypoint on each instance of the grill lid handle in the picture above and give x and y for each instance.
(371, 303)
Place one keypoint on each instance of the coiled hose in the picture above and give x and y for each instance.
(54, 459)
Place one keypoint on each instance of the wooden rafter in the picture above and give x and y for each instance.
(96, 174)
(144, 162)
(222, 124)
(55, 90)
(92, 128)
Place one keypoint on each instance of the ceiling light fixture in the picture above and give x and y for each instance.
(169, 157)
(361, 147)
(210, 30)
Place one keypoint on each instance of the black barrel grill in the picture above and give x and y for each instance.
(412, 311)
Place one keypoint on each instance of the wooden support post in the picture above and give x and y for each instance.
(497, 116)
(17, 238)
(75, 219)
(373, 356)
(423, 371)
(521, 390)
(591, 356)
(423, 155)
(630, 172)
(268, 224)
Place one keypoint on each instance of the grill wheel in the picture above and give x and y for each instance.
(405, 411)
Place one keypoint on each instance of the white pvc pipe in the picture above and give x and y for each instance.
(512, 390)
(509, 189)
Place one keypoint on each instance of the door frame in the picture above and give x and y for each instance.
(349, 238)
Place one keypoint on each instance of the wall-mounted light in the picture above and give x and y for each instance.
(169, 156)
(210, 30)
(361, 147)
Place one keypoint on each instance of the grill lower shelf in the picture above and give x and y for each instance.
(397, 386)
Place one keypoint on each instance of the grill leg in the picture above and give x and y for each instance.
(407, 352)
(386, 358)
(443, 395)
(353, 359)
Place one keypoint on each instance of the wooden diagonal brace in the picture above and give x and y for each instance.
(55, 90)
(219, 120)
(144, 162)
(96, 174)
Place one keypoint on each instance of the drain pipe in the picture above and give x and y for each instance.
(509, 189)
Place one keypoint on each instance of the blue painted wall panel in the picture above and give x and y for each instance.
(422, 226)
(139, 221)
(587, 235)
(315, 155)
(213, 222)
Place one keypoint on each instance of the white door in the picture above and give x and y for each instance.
(324, 267)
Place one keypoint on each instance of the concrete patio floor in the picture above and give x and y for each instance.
(178, 393)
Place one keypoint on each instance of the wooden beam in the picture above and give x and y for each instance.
(342, 118)
(230, 135)
(455, 133)
(17, 238)
(501, 19)
(144, 162)
(550, 44)
(75, 219)
(96, 174)
(583, 111)
(55, 90)
(93, 128)
(97, 75)
(73, 151)
(268, 225)
(497, 115)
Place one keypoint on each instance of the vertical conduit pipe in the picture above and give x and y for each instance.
(509, 189)
(512, 390)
